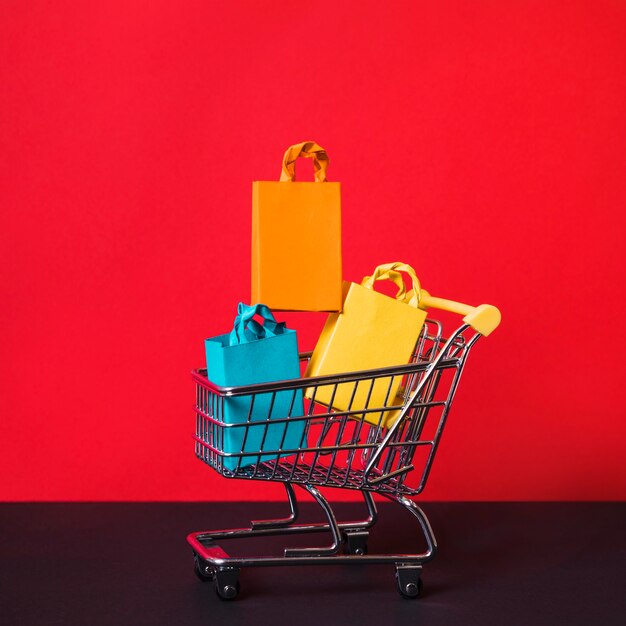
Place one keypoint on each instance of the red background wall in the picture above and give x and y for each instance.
(481, 142)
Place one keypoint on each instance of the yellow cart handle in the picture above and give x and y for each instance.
(484, 318)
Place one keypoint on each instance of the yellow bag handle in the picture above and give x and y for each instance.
(483, 318)
(391, 271)
(308, 150)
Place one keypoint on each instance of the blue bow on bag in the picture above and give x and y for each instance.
(247, 329)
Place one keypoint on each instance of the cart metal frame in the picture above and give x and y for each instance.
(349, 449)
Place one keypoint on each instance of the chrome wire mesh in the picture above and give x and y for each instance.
(377, 446)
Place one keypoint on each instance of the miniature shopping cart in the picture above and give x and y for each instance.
(384, 447)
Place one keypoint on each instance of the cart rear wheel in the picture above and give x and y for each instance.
(201, 569)
(360, 550)
(355, 543)
(409, 582)
(411, 591)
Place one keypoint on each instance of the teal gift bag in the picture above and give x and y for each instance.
(256, 353)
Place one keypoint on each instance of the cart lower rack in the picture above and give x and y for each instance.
(386, 448)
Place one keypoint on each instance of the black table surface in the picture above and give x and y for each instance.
(129, 563)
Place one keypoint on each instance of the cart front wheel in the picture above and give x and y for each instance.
(227, 584)
(409, 582)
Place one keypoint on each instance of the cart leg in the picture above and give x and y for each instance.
(427, 531)
(371, 509)
(332, 524)
(355, 538)
(283, 522)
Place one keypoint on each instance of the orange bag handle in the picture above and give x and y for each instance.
(308, 150)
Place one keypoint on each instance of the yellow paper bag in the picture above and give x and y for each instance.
(372, 331)
(296, 237)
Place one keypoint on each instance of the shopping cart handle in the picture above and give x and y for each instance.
(484, 319)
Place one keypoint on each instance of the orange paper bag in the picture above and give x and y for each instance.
(296, 237)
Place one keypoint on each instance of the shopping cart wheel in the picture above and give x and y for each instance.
(355, 542)
(201, 569)
(227, 583)
(409, 581)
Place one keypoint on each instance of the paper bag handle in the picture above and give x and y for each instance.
(247, 329)
(391, 271)
(308, 150)
(484, 319)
